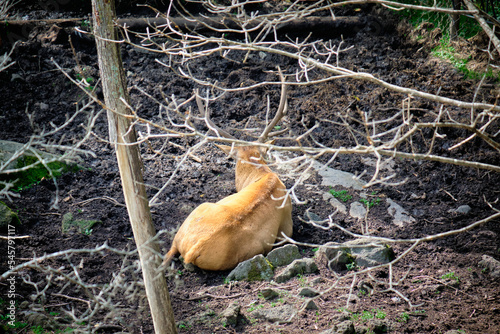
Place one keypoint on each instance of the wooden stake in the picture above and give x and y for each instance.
(124, 138)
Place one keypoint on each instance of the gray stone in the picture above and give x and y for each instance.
(357, 210)
(311, 305)
(345, 327)
(269, 294)
(312, 216)
(378, 326)
(361, 330)
(230, 314)
(462, 209)
(283, 256)
(308, 292)
(316, 281)
(257, 268)
(43, 106)
(334, 255)
(333, 177)
(401, 217)
(335, 203)
(276, 314)
(363, 252)
(342, 316)
(301, 266)
(491, 264)
(368, 253)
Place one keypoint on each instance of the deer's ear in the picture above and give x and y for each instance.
(264, 150)
(225, 148)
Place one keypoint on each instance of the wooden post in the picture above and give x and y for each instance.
(455, 20)
(129, 162)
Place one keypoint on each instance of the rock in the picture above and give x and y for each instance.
(333, 177)
(401, 217)
(7, 217)
(362, 330)
(70, 224)
(301, 266)
(269, 294)
(378, 326)
(454, 331)
(230, 314)
(37, 319)
(335, 203)
(257, 268)
(316, 281)
(370, 255)
(491, 264)
(15, 156)
(308, 292)
(311, 305)
(334, 255)
(312, 216)
(345, 327)
(283, 256)
(10, 148)
(43, 106)
(357, 210)
(275, 314)
(342, 316)
(462, 209)
(364, 252)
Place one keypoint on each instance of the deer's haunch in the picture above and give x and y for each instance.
(218, 236)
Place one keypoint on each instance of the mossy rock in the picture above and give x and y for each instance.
(7, 216)
(31, 175)
(257, 268)
(70, 225)
(283, 256)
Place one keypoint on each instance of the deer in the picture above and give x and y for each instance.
(218, 236)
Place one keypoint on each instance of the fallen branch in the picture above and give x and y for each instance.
(339, 25)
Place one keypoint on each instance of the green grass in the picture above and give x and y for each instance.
(341, 195)
(468, 27)
(370, 203)
(403, 317)
(446, 51)
(364, 316)
(451, 275)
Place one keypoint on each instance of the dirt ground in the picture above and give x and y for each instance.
(469, 300)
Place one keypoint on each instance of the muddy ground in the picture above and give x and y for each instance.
(468, 300)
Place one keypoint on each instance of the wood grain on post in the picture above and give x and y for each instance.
(130, 165)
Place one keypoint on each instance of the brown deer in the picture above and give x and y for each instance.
(218, 236)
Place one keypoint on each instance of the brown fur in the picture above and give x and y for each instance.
(218, 236)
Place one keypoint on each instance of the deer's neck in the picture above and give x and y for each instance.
(249, 172)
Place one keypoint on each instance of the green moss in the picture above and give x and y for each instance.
(83, 226)
(28, 178)
(7, 216)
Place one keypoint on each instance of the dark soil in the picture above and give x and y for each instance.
(470, 303)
